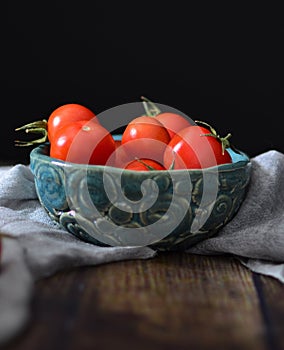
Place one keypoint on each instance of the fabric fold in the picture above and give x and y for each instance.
(16, 290)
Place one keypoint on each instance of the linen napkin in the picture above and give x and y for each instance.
(256, 233)
(37, 248)
(40, 248)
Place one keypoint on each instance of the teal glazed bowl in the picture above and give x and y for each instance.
(162, 209)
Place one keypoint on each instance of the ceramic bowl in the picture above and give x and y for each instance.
(166, 210)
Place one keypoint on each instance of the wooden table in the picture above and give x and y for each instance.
(174, 301)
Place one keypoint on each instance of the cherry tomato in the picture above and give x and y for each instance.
(60, 117)
(117, 143)
(84, 142)
(192, 149)
(144, 164)
(68, 114)
(145, 137)
(173, 122)
(120, 158)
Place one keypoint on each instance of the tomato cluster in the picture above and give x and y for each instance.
(153, 141)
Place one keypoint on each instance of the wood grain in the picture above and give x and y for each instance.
(271, 297)
(174, 301)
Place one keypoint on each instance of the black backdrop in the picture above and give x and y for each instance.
(222, 65)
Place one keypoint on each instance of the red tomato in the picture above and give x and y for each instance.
(191, 149)
(145, 137)
(59, 118)
(68, 114)
(120, 158)
(117, 143)
(144, 164)
(173, 122)
(84, 142)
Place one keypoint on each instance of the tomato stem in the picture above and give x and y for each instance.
(149, 167)
(224, 140)
(172, 165)
(37, 127)
(150, 108)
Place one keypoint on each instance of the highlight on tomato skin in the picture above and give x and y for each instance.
(83, 142)
(195, 147)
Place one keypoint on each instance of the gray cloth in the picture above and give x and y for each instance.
(16, 290)
(37, 248)
(256, 233)
(40, 248)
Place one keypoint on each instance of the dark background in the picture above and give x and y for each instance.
(221, 65)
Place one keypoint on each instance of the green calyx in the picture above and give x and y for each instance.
(224, 140)
(38, 127)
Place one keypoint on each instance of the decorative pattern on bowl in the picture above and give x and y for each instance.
(100, 204)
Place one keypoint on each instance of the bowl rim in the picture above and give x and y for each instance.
(240, 160)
